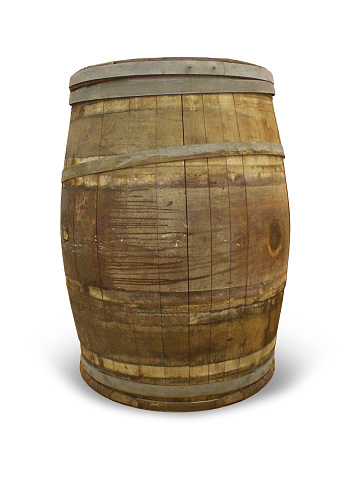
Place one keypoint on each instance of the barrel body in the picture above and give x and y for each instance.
(175, 270)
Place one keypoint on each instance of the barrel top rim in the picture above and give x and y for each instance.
(168, 66)
(143, 60)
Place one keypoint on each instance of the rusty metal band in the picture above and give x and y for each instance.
(168, 85)
(175, 153)
(169, 66)
(171, 391)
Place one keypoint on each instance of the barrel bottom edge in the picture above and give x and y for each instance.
(178, 406)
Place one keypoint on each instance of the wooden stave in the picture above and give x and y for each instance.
(68, 185)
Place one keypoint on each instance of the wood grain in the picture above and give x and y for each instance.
(176, 271)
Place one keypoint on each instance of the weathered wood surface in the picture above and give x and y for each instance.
(176, 271)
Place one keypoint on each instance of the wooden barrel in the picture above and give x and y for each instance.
(175, 230)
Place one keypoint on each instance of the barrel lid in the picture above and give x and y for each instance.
(168, 76)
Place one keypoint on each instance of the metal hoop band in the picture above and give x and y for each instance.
(144, 389)
(170, 66)
(176, 153)
(169, 85)
(169, 76)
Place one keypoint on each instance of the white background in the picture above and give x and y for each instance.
(305, 422)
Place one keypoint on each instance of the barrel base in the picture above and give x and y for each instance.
(155, 404)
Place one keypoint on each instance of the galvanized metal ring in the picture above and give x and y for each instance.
(174, 153)
(168, 77)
